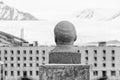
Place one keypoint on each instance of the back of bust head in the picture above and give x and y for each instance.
(64, 52)
(65, 33)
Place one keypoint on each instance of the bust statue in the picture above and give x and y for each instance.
(65, 35)
(64, 52)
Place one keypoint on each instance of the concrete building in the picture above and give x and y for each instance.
(20, 61)
(25, 60)
(104, 60)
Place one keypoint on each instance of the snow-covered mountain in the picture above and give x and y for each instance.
(108, 43)
(9, 13)
(113, 42)
(10, 40)
(98, 14)
(85, 14)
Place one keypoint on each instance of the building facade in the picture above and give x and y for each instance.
(20, 61)
(104, 60)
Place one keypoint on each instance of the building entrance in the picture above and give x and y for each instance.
(104, 73)
(24, 73)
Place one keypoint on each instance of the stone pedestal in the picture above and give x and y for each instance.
(64, 58)
(64, 72)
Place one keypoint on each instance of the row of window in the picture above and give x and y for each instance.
(23, 58)
(104, 65)
(19, 73)
(24, 51)
(104, 58)
(43, 51)
(95, 51)
(95, 73)
(19, 65)
(104, 73)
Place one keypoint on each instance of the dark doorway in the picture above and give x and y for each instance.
(24, 78)
(24, 73)
(104, 73)
(103, 78)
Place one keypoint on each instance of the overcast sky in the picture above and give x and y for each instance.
(50, 9)
(53, 11)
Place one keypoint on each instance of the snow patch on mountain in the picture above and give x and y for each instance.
(9, 13)
(97, 14)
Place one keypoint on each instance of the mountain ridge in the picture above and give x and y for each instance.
(7, 39)
(8, 13)
(98, 14)
(108, 42)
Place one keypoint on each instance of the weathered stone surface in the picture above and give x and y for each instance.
(64, 72)
(64, 58)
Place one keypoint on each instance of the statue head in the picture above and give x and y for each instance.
(65, 51)
(65, 33)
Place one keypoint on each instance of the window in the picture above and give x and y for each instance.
(43, 58)
(86, 58)
(104, 65)
(18, 73)
(37, 58)
(37, 65)
(12, 65)
(95, 73)
(0, 58)
(113, 65)
(37, 73)
(30, 51)
(43, 51)
(12, 58)
(104, 52)
(18, 51)
(95, 51)
(12, 73)
(86, 51)
(30, 64)
(6, 58)
(30, 58)
(5, 73)
(113, 73)
(113, 52)
(24, 65)
(5, 51)
(18, 65)
(30, 73)
(18, 58)
(37, 51)
(5, 65)
(95, 58)
(24, 51)
(0, 51)
(113, 58)
(24, 58)
(12, 51)
(104, 58)
(95, 64)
